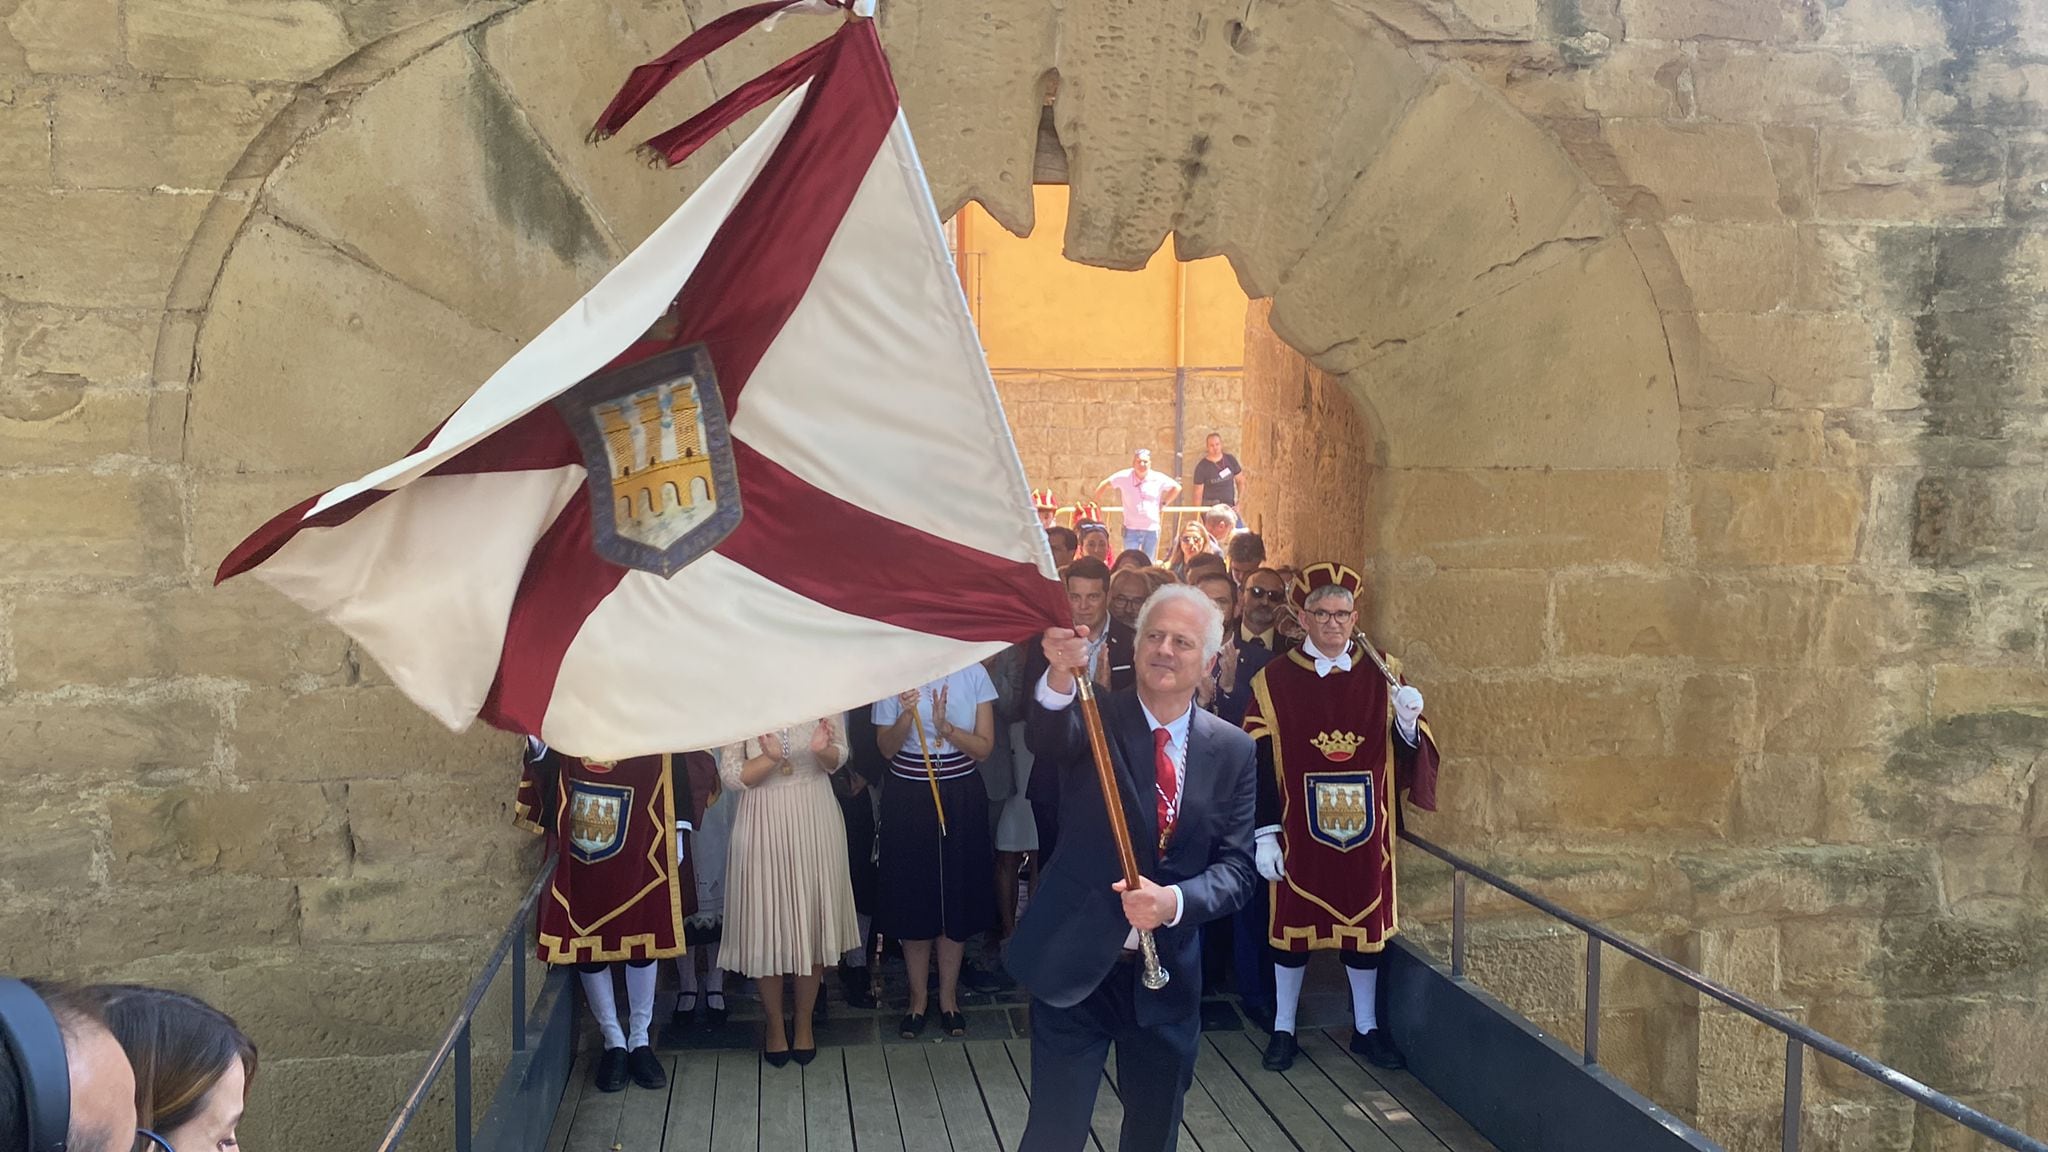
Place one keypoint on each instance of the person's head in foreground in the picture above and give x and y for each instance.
(1128, 589)
(65, 1085)
(1265, 594)
(1131, 558)
(1094, 540)
(1220, 521)
(1326, 595)
(1063, 543)
(1247, 551)
(1179, 633)
(193, 1066)
(1088, 593)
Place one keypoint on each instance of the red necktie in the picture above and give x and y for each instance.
(1166, 782)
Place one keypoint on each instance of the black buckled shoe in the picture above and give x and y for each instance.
(1378, 1050)
(645, 1068)
(714, 1014)
(611, 1070)
(1280, 1051)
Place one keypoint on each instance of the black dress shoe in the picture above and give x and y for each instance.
(714, 1014)
(803, 1056)
(953, 1023)
(645, 1068)
(1378, 1050)
(1280, 1052)
(912, 1026)
(611, 1070)
(776, 1059)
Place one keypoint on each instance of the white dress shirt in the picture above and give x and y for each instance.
(1176, 751)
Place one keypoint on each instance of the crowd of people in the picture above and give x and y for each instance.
(924, 822)
(963, 812)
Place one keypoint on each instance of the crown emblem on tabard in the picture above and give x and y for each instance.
(1336, 746)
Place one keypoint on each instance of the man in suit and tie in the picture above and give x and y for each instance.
(1186, 780)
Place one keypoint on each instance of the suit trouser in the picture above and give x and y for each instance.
(1154, 1066)
(1250, 954)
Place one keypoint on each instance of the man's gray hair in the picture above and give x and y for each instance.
(1212, 620)
(1326, 592)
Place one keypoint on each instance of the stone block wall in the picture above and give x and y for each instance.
(1696, 453)
(1074, 428)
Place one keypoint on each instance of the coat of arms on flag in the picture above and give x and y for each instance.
(663, 489)
(767, 440)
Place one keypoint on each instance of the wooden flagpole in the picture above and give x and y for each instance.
(1155, 977)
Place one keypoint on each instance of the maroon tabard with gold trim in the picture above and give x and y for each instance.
(616, 894)
(1333, 763)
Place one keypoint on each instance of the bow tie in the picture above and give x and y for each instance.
(1324, 665)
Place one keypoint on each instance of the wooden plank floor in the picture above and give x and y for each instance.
(953, 1096)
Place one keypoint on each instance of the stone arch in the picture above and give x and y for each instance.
(1442, 257)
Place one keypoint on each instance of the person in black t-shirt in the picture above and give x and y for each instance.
(1219, 478)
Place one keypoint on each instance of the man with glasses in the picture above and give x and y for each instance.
(1337, 740)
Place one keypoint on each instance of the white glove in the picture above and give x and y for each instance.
(1407, 710)
(1268, 857)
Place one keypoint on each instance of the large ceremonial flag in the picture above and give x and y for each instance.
(758, 474)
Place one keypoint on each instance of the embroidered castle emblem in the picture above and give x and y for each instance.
(1340, 806)
(597, 820)
(1336, 747)
(663, 487)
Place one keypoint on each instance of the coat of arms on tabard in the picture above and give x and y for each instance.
(1340, 808)
(663, 487)
(597, 819)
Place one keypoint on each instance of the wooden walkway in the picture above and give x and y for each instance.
(972, 1096)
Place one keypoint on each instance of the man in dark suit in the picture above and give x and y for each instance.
(1109, 661)
(1186, 782)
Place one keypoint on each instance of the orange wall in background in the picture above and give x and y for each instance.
(1037, 309)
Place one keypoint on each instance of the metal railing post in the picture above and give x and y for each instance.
(462, 1112)
(1795, 1088)
(518, 961)
(1457, 924)
(1592, 999)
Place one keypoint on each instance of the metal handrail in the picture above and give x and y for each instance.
(1798, 1037)
(456, 1043)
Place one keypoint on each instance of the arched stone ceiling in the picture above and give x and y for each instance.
(429, 203)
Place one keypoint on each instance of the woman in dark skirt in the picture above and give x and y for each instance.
(938, 853)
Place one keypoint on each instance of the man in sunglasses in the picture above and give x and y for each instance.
(1255, 640)
(1338, 742)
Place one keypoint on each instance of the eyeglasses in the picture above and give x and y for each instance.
(1321, 617)
(1265, 593)
(1127, 601)
(147, 1141)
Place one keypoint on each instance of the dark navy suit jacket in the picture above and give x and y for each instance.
(1074, 928)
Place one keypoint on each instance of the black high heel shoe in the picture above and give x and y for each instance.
(803, 1056)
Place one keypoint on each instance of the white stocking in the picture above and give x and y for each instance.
(1286, 996)
(639, 1003)
(597, 992)
(1365, 985)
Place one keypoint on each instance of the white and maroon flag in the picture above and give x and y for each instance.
(758, 474)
